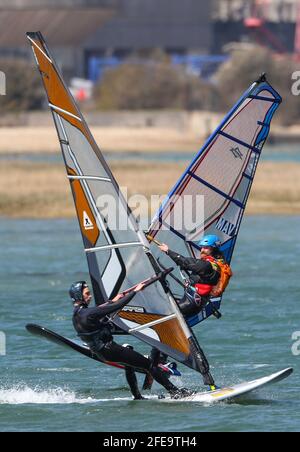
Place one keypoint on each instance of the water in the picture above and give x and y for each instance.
(45, 388)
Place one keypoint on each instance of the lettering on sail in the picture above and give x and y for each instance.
(226, 227)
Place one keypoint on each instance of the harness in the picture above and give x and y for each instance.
(225, 274)
(192, 296)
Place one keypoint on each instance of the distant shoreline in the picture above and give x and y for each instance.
(141, 131)
(41, 190)
(33, 188)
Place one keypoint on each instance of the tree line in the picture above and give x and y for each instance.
(154, 83)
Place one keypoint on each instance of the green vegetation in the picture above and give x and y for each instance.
(153, 84)
(157, 84)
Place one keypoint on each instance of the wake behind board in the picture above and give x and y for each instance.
(240, 389)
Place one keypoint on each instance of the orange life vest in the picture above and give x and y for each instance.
(225, 274)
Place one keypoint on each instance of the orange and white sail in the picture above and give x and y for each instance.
(118, 258)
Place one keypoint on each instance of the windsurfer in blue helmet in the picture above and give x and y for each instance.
(94, 327)
(208, 276)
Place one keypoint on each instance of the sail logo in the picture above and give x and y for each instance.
(87, 223)
(226, 227)
(44, 74)
(137, 309)
(237, 153)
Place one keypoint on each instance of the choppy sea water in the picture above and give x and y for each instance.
(45, 388)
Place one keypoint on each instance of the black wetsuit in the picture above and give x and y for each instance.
(94, 328)
(200, 272)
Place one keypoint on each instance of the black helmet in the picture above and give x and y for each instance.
(76, 290)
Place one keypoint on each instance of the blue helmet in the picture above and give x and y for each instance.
(210, 240)
(76, 290)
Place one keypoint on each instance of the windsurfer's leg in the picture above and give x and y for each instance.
(189, 307)
(116, 353)
(149, 379)
(161, 378)
(126, 356)
(133, 383)
(156, 358)
(131, 360)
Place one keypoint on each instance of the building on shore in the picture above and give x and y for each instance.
(88, 34)
(64, 23)
(81, 31)
(272, 23)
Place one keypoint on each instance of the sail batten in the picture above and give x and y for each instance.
(61, 110)
(114, 246)
(101, 179)
(154, 323)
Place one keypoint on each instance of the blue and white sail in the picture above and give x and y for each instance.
(223, 173)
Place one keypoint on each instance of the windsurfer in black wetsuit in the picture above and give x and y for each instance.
(94, 327)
